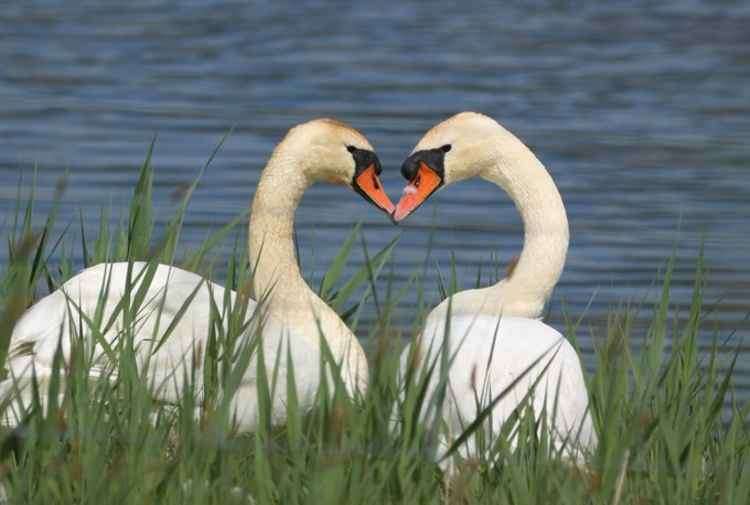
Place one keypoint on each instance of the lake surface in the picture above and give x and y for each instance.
(641, 114)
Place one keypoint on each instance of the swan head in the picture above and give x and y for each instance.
(453, 150)
(334, 152)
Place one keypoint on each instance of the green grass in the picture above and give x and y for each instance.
(664, 436)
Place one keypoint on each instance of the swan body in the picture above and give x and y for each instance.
(291, 320)
(69, 313)
(494, 332)
(483, 366)
(54, 317)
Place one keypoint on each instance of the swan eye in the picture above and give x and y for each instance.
(351, 149)
(446, 148)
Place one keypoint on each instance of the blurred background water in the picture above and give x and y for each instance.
(640, 112)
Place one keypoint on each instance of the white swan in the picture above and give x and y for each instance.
(494, 332)
(293, 316)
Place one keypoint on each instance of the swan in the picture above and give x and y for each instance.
(494, 334)
(292, 318)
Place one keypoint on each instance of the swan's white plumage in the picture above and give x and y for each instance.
(507, 313)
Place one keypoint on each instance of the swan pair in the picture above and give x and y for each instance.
(494, 332)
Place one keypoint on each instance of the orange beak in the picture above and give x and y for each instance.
(417, 191)
(368, 185)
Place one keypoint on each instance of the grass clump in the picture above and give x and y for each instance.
(665, 435)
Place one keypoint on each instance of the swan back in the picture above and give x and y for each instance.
(62, 314)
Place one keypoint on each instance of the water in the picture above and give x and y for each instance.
(641, 114)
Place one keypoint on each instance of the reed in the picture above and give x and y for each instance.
(664, 433)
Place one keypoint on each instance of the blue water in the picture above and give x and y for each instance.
(641, 113)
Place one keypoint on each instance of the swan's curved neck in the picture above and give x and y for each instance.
(278, 282)
(272, 252)
(522, 176)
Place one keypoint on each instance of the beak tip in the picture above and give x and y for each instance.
(398, 215)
